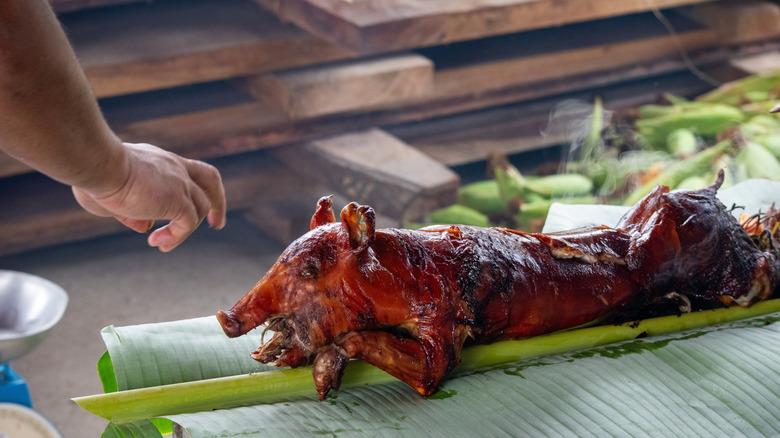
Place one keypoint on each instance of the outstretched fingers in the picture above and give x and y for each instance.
(208, 179)
(183, 224)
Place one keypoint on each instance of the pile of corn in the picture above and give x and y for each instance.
(682, 144)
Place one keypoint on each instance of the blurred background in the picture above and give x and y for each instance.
(400, 105)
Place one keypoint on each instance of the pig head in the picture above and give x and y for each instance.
(332, 296)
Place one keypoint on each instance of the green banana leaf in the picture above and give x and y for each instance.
(721, 380)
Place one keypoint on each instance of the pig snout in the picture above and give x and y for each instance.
(232, 326)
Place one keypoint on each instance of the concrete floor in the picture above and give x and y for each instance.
(119, 280)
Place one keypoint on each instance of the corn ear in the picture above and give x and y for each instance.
(593, 141)
(734, 93)
(460, 215)
(675, 99)
(682, 143)
(771, 142)
(707, 123)
(697, 164)
(770, 121)
(533, 214)
(652, 110)
(560, 185)
(759, 162)
(482, 196)
(511, 183)
(705, 119)
(696, 182)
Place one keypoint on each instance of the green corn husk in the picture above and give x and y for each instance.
(459, 214)
(758, 109)
(771, 142)
(697, 164)
(736, 92)
(674, 99)
(682, 143)
(482, 196)
(561, 185)
(511, 183)
(750, 129)
(704, 119)
(593, 143)
(651, 111)
(696, 182)
(532, 212)
(759, 161)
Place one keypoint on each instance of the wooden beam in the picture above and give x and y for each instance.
(573, 50)
(344, 86)
(372, 167)
(367, 26)
(141, 47)
(739, 21)
(763, 63)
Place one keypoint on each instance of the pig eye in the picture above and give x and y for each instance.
(310, 271)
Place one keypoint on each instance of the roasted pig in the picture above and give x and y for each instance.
(407, 301)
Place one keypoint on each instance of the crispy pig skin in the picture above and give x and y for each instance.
(406, 301)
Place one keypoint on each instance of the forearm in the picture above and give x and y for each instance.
(49, 118)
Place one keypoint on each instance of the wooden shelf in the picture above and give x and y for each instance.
(367, 26)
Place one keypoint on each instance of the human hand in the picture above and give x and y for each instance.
(160, 185)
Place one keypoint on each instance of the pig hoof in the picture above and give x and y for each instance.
(327, 369)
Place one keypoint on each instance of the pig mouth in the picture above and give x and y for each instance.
(289, 345)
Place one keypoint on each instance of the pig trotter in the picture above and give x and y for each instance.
(328, 368)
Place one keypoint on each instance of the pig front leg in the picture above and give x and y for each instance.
(420, 363)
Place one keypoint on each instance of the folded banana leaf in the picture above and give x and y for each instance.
(673, 376)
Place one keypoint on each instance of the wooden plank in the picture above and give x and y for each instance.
(345, 86)
(763, 63)
(739, 21)
(369, 26)
(141, 47)
(218, 118)
(250, 126)
(372, 167)
(555, 53)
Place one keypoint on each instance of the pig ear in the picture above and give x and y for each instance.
(360, 223)
(324, 213)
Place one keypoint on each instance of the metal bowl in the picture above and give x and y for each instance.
(29, 307)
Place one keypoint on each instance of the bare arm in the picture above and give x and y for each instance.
(50, 120)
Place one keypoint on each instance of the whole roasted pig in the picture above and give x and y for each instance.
(406, 301)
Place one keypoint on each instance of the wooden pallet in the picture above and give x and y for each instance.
(371, 26)
(218, 119)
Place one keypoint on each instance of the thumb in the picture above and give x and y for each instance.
(139, 225)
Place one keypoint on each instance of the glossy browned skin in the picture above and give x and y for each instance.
(407, 301)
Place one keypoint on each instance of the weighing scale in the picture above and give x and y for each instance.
(29, 307)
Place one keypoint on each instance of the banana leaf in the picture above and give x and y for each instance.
(711, 380)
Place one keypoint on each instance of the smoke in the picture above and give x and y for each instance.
(574, 119)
